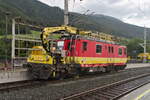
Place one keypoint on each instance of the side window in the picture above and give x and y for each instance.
(98, 48)
(112, 49)
(69, 45)
(125, 51)
(120, 51)
(109, 49)
(84, 46)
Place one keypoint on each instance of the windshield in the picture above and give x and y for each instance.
(60, 45)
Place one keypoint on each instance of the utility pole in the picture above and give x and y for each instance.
(6, 33)
(66, 13)
(145, 40)
(13, 42)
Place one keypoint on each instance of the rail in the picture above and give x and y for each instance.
(112, 91)
(17, 85)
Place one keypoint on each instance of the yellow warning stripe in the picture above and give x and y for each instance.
(142, 95)
(44, 59)
(94, 60)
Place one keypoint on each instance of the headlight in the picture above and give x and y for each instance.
(47, 58)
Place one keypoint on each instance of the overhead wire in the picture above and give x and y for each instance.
(52, 2)
(86, 11)
(138, 7)
(77, 18)
(72, 5)
(142, 11)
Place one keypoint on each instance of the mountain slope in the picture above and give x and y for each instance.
(53, 16)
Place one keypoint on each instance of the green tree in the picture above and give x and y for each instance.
(134, 47)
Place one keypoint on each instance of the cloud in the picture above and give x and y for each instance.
(130, 11)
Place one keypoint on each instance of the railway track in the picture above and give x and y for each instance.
(17, 85)
(33, 83)
(112, 91)
(10, 87)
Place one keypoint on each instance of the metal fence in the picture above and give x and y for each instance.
(17, 37)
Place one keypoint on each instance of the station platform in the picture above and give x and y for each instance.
(13, 75)
(142, 93)
(137, 65)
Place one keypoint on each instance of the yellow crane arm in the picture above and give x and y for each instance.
(72, 30)
(50, 30)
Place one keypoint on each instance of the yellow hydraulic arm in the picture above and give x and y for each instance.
(71, 30)
(50, 30)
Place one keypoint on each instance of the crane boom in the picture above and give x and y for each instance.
(61, 30)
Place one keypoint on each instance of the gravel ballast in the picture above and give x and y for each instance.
(62, 89)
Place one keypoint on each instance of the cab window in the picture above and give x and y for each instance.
(84, 46)
(60, 45)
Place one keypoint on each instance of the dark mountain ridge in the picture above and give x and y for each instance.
(53, 16)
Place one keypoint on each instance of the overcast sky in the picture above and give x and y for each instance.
(130, 11)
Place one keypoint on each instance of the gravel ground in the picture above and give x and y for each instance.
(59, 90)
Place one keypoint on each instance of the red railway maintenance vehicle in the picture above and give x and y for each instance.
(74, 52)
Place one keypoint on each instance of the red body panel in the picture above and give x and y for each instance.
(76, 49)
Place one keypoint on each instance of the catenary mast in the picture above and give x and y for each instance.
(66, 13)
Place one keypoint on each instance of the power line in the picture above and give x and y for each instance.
(86, 11)
(78, 17)
(138, 7)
